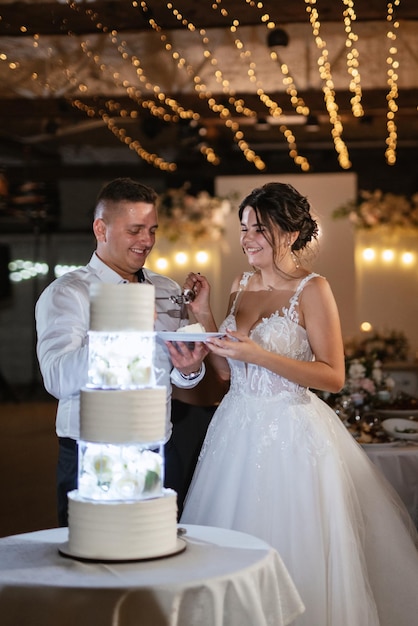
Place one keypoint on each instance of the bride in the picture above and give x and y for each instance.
(277, 462)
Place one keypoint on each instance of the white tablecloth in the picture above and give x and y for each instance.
(400, 466)
(223, 578)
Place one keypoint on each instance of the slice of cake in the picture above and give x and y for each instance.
(192, 328)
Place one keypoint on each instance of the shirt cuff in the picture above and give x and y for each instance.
(178, 380)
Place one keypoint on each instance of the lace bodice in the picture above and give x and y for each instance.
(279, 333)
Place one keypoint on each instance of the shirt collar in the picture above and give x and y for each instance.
(107, 275)
(104, 272)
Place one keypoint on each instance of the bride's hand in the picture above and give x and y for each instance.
(201, 289)
(234, 345)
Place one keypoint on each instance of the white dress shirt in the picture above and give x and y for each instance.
(62, 322)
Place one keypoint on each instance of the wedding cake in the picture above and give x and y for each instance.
(120, 510)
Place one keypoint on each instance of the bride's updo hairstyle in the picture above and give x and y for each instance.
(279, 204)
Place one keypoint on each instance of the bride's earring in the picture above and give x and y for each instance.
(293, 256)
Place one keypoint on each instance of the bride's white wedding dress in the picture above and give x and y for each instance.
(278, 463)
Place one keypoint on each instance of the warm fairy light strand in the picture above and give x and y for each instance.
(392, 74)
(209, 56)
(296, 101)
(273, 107)
(352, 57)
(132, 91)
(157, 111)
(120, 133)
(109, 121)
(223, 111)
(156, 106)
(136, 95)
(328, 87)
(238, 104)
(201, 89)
(116, 109)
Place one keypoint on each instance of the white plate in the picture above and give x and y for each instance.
(403, 413)
(396, 426)
(382, 445)
(166, 336)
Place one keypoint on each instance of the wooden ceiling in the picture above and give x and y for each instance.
(50, 128)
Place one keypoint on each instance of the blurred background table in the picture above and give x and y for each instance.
(223, 578)
(399, 464)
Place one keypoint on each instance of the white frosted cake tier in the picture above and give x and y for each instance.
(123, 416)
(122, 307)
(122, 530)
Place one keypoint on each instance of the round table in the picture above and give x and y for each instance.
(223, 578)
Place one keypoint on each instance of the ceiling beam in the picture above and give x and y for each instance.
(23, 19)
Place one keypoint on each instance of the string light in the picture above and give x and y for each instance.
(160, 105)
(388, 256)
(352, 56)
(162, 264)
(136, 95)
(273, 107)
(220, 109)
(181, 258)
(369, 254)
(120, 133)
(296, 100)
(392, 74)
(328, 86)
(21, 269)
(202, 257)
(209, 56)
(109, 121)
(408, 258)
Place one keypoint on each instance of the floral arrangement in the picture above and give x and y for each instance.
(375, 208)
(366, 383)
(385, 346)
(194, 217)
(365, 380)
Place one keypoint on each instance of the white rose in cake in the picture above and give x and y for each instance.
(120, 360)
(110, 472)
(105, 373)
(139, 372)
(102, 467)
(127, 486)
